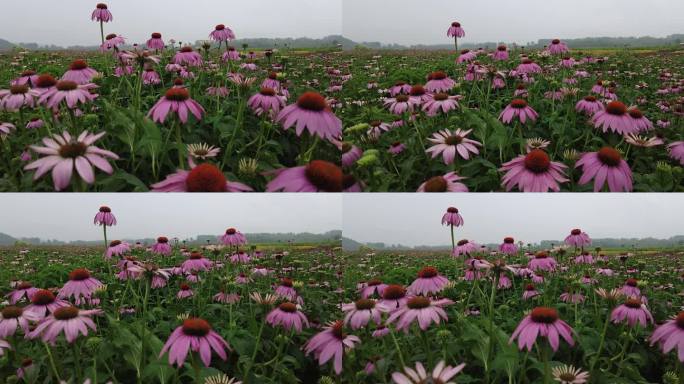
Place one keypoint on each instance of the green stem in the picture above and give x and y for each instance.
(104, 230)
(102, 31)
(254, 353)
(52, 362)
(396, 346)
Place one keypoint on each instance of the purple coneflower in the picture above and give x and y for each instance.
(23, 290)
(671, 335)
(162, 246)
(542, 262)
(372, 287)
(455, 30)
(578, 239)
(440, 102)
(508, 246)
(519, 109)
(80, 287)
(176, 100)
(194, 335)
(441, 374)
(544, 322)
(439, 82)
(79, 72)
(104, 216)
(17, 97)
(155, 42)
(117, 248)
(614, 118)
(62, 153)
(186, 56)
(533, 172)
(70, 92)
(557, 47)
(450, 143)
(69, 320)
(589, 105)
(27, 77)
(399, 104)
(331, 343)
(631, 288)
(446, 183)
(205, 177)
(632, 311)
(196, 262)
(288, 316)
(317, 176)
(11, 318)
(101, 14)
(428, 282)
(311, 111)
(359, 313)
(501, 53)
(452, 217)
(422, 310)
(393, 297)
(266, 101)
(233, 237)
(43, 303)
(605, 165)
(222, 33)
(676, 150)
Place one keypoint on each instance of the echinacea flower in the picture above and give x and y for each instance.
(80, 287)
(455, 30)
(530, 292)
(568, 374)
(420, 309)
(331, 343)
(311, 111)
(393, 297)
(233, 237)
(23, 290)
(631, 288)
(399, 104)
(79, 72)
(440, 102)
(446, 183)
(508, 246)
(452, 217)
(63, 153)
(605, 165)
(162, 246)
(633, 311)
(614, 118)
(184, 292)
(533, 172)
(186, 56)
(155, 41)
(670, 335)
(577, 238)
(589, 105)
(69, 92)
(464, 247)
(101, 14)
(112, 41)
(6, 129)
(501, 53)
(288, 316)
(266, 101)
(519, 109)
(439, 82)
(222, 33)
(196, 262)
(441, 374)
(372, 287)
(542, 262)
(350, 153)
(205, 177)
(17, 97)
(176, 100)
(676, 150)
(44, 302)
(104, 216)
(557, 47)
(67, 319)
(542, 322)
(359, 313)
(428, 282)
(450, 143)
(644, 142)
(117, 248)
(27, 77)
(317, 176)
(194, 335)
(12, 318)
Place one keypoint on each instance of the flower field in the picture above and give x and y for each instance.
(174, 313)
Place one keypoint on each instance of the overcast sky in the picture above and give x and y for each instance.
(415, 219)
(68, 22)
(426, 21)
(70, 216)
(390, 21)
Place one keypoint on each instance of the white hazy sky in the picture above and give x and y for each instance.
(426, 21)
(67, 22)
(401, 21)
(414, 219)
(70, 216)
